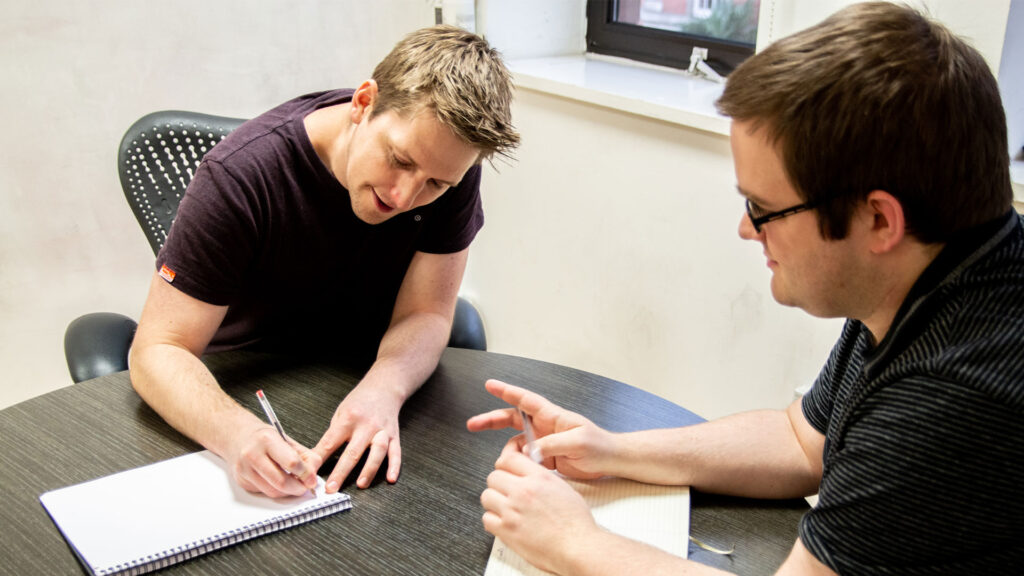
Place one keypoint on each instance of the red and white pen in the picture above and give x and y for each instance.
(269, 411)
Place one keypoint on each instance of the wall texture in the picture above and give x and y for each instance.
(612, 246)
(76, 75)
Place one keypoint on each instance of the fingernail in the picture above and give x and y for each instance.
(332, 486)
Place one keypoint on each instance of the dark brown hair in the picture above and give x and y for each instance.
(879, 97)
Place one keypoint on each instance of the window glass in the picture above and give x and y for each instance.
(734, 20)
(666, 32)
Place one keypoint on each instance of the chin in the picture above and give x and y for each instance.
(818, 310)
(778, 293)
(367, 213)
(373, 218)
(786, 299)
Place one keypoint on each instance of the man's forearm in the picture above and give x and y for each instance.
(753, 454)
(179, 387)
(410, 351)
(611, 554)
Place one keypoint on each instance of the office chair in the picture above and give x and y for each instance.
(157, 159)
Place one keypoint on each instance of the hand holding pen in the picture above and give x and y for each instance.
(531, 439)
(531, 510)
(552, 435)
(300, 470)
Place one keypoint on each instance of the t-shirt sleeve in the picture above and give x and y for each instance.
(456, 217)
(212, 241)
(925, 479)
(818, 402)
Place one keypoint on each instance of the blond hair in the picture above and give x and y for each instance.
(457, 75)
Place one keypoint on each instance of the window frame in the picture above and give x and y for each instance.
(661, 47)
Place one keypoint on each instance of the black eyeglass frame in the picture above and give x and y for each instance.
(759, 221)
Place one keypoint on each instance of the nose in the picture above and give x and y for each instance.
(405, 191)
(746, 229)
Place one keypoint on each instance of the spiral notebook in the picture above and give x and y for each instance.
(655, 515)
(147, 518)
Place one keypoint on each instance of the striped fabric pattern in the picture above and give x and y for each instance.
(924, 451)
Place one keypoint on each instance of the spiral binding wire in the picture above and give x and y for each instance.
(199, 547)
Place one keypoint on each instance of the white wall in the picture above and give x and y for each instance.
(612, 246)
(76, 75)
(1011, 79)
(981, 21)
(609, 246)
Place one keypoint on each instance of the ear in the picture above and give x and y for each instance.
(888, 226)
(362, 100)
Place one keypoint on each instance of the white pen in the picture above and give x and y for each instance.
(531, 439)
(269, 411)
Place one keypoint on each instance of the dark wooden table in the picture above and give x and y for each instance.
(428, 523)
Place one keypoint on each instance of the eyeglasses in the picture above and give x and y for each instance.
(759, 217)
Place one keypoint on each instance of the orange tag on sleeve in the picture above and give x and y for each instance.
(166, 273)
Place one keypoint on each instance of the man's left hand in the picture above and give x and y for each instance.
(535, 512)
(367, 420)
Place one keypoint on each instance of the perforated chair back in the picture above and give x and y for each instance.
(158, 156)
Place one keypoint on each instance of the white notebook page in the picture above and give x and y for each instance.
(655, 515)
(148, 510)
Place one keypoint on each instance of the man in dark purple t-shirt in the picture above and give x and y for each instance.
(338, 221)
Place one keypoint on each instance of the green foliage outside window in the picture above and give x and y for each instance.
(728, 20)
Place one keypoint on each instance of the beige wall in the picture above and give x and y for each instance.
(981, 22)
(75, 76)
(611, 246)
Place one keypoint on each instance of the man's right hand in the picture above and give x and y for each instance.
(262, 461)
(166, 371)
(567, 441)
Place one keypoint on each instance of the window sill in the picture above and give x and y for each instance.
(660, 93)
(650, 91)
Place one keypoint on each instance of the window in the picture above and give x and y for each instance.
(665, 32)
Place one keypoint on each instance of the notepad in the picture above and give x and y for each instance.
(655, 515)
(147, 518)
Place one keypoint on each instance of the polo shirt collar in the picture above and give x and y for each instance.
(961, 251)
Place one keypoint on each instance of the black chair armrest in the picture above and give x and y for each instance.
(467, 328)
(97, 344)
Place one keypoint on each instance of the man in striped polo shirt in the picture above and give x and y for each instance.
(872, 154)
